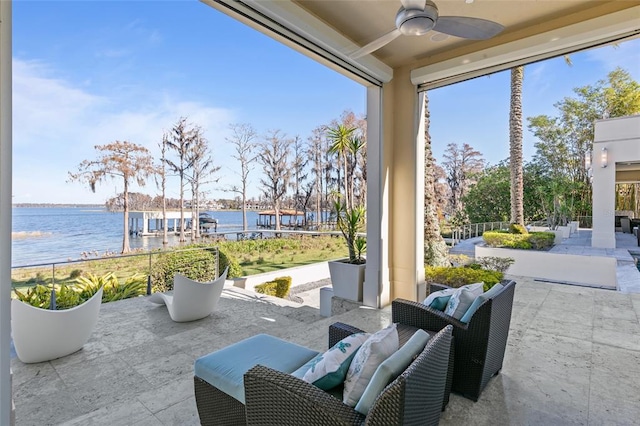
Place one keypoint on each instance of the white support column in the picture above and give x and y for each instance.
(5, 211)
(376, 291)
(145, 223)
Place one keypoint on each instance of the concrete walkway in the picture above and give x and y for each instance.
(579, 243)
(573, 357)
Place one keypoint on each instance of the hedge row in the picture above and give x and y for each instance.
(530, 241)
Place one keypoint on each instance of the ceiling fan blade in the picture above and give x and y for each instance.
(465, 27)
(376, 44)
(413, 4)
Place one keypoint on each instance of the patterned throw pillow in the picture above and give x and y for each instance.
(462, 299)
(329, 369)
(439, 299)
(372, 353)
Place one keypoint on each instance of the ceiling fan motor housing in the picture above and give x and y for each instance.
(417, 22)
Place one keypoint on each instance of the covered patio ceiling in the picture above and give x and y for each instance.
(330, 31)
(628, 172)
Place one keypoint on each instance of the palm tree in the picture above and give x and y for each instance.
(340, 141)
(435, 248)
(515, 146)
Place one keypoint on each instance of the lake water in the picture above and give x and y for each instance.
(44, 235)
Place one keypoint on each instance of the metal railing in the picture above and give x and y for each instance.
(473, 230)
(50, 281)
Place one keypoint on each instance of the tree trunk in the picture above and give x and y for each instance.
(182, 238)
(276, 210)
(125, 237)
(435, 247)
(244, 209)
(515, 146)
(165, 235)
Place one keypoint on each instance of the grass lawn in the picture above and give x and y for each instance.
(254, 257)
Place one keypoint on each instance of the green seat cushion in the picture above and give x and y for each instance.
(391, 368)
(480, 300)
(224, 369)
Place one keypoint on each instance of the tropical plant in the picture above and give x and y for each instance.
(351, 222)
(112, 288)
(435, 248)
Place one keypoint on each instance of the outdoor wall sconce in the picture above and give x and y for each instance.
(603, 158)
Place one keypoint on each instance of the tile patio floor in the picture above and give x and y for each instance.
(573, 357)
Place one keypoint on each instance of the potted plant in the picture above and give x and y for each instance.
(347, 275)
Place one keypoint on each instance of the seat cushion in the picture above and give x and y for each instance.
(480, 300)
(224, 369)
(391, 368)
(380, 346)
(329, 369)
(462, 299)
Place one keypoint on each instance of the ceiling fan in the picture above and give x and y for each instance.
(418, 17)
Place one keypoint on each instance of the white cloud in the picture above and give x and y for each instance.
(57, 123)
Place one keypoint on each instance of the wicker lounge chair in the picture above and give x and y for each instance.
(479, 345)
(276, 398)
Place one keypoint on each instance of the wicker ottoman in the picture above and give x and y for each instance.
(218, 376)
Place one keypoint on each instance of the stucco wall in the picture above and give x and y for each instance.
(621, 138)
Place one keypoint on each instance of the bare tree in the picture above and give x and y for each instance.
(201, 167)
(316, 153)
(273, 156)
(460, 165)
(300, 175)
(180, 139)
(122, 160)
(243, 139)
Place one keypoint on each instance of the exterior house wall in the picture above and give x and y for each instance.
(621, 138)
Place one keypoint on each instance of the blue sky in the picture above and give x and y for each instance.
(89, 72)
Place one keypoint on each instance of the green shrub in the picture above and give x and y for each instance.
(515, 228)
(492, 263)
(75, 274)
(279, 287)
(198, 265)
(268, 288)
(283, 285)
(461, 275)
(541, 240)
(532, 240)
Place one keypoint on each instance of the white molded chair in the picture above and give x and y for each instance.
(191, 300)
(42, 335)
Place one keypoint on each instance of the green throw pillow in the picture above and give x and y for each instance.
(329, 369)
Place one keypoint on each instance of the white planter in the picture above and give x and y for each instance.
(557, 267)
(566, 231)
(42, 335)
(347, 279)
